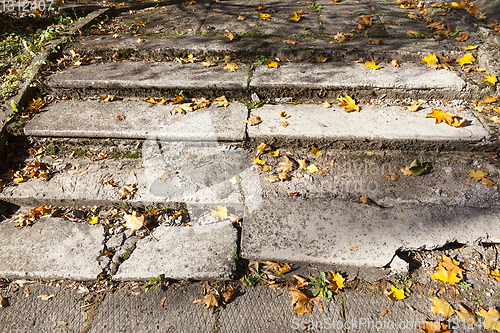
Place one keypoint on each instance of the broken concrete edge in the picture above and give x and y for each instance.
(26, 90)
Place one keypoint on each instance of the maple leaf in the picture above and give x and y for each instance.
(208, 63)
(326, 105)
(441, 306)
(284, 115)
(478, 174)
(267, 168)
(451, 265)
(283, 123)
(200, 103)
(265, 16)
(274, 153)
(321, 58)
(446, 276)
(272, 64)
(395, 294)
(221, 101)
(300, 302)
(488, 182)
(414, 106)
(177, 99)
(36, 104)
(258, 161)
(253, 121)
(316, 152)
(491, 318)
(462, 38)
(302, 164)
(434, 327)
(364, 21)
(261, 148)
(395, 63)
(365, 200)
(489, 99)
(286, 165)
(299, 281)
(341, 37)
(430, 58)
(209, 301)
(295, 17)
(241, 18)
(221, 212)
(493, 274)
(348, 103)
(278, 267)
(228, 294)
(491, 79)
(336, 281)
(93, 220)
(466, 59)
(284, 177)
(133, 221)
(466, 317)
(232, 66)
(470, 47)
(312, 168)
(440, 116)
(231, 35)
(127, 191)
(394, 176)
(271, 178)
(372, 65)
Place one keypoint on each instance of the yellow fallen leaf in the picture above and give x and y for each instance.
(491, 79)
(258, 161)
(326, 105)
(466, 317)
(209, 301)
(284, 124)
(241, 18)
(221, 101)
(271, 178)
(261, 148)
(446, 276)
(341, 37)
(395, 294)
(253, 121)
(430, 58)
(321, 58)
(133, 221)
(315, 151)
(232, 66)
(312, 168)
(336, 281)
(284, 115)
(272, 64)
(302, 164)
(451, 265)
(295, 17)
(441, 306)
(470, 47)
(300, 302)
(468, 58)
(348, 103)
(265, 16)
(478, 174)
(395, 63)
(491, 321)
(365, 200)
(489, 99)
(278, 267)
(221, 212)
(441, 116)
(93, 220)
(274, 153)
(414, 106)
(127, 191)
(434, 327)
(289, 41)
(372, 65)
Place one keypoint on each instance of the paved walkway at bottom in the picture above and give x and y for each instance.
(253, 309)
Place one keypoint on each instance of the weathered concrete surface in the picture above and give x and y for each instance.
(32, 252)
(95, 119)
(373, 123)
(120, 312)
(28, 313)
(141, 79)
(334, 231)
(409, 80)
(270, 310)
(168, 173)
(199, 252)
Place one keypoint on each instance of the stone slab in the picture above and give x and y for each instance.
(199, 252)
(94, 119)
(32, 252)
(333, 231)
(393, 82)
(311, 122)
(168, 173)
(141, 78)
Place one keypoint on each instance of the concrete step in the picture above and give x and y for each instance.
(315, 81)
(375, 126)
(77, 252)
(138, 120)
(324, 230)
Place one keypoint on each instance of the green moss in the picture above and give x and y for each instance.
(129, 252)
